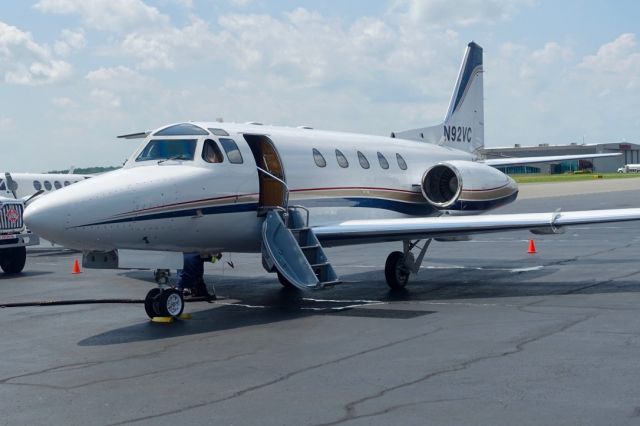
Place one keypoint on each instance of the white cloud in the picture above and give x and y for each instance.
(119, 74)
(106, 98)
(23, 61)
(63, 102)
(615, 66)
(162, 47)
(69, 42)
(546, 60)
(463, 13)
(106, 15)
(5, 122)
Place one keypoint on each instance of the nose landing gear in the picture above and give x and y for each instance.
(164, 302)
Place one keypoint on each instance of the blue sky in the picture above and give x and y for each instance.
(76, 73)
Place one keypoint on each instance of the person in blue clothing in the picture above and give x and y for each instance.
(191, 277)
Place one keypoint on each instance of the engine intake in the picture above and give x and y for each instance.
(441, 185)
(467, 186)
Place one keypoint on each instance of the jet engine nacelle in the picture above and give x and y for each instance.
(467, 186)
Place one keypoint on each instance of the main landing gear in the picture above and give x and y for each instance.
(401, 264)
(163, 301)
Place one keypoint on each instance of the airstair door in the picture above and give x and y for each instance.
(273, 192)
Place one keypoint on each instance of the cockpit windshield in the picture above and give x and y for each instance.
(168, 149)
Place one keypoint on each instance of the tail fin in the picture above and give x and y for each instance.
(463, 126)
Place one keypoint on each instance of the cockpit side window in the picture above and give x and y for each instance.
(3, 187)
(168, 149)
(211, 153)
(233, 153)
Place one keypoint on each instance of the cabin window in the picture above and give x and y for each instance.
(211, 153)
(3, 187)
(319, 159)
(363, 160)
(383, 161)
(57, 184)
(231, 148)
(401, 163)
(183, 129)
(168, 149)
(342, 160)
(67, 183)
(37, 185)
(47, 185)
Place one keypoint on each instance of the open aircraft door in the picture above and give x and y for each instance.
(271, 177)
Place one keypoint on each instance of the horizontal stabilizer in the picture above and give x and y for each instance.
(381, 230)
(543, 159)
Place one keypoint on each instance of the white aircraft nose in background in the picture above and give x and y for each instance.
(48, 216)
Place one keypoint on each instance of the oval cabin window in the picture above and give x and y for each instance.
(383, 161)
(363, 160)
(318, 158)
(401, 163)
(342, 160)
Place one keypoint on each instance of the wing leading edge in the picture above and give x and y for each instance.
(373, 231)
(495, 162)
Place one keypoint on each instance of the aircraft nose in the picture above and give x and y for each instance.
(46, 218)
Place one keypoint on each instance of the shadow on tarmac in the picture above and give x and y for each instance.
(258, 301)
(24, 274)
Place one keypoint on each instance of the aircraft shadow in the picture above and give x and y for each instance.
(254, 301)
(23, 274)
(275, 305)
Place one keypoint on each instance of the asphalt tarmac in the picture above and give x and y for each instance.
(485, 334)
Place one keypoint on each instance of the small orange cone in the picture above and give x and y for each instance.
(76, 267)
(532, 247)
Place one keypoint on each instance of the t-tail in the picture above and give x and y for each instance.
(463, 126)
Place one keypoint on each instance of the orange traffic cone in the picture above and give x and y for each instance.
(532, 247)
(76, 267)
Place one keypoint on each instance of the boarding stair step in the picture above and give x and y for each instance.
(295, 253)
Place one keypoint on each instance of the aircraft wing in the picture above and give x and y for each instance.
(547, 159)
(381, 230)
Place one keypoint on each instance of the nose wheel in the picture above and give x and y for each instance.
(164, 303)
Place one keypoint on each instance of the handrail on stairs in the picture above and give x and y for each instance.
(285, 208)
(286, 192)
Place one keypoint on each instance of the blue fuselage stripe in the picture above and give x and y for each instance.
(410, 209)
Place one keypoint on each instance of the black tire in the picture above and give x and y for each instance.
(395, 272)
(285, 282)
(151, 303)
(170, 303)
(12, 260)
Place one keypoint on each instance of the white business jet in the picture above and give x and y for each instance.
(22, 185)
(214, 187)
